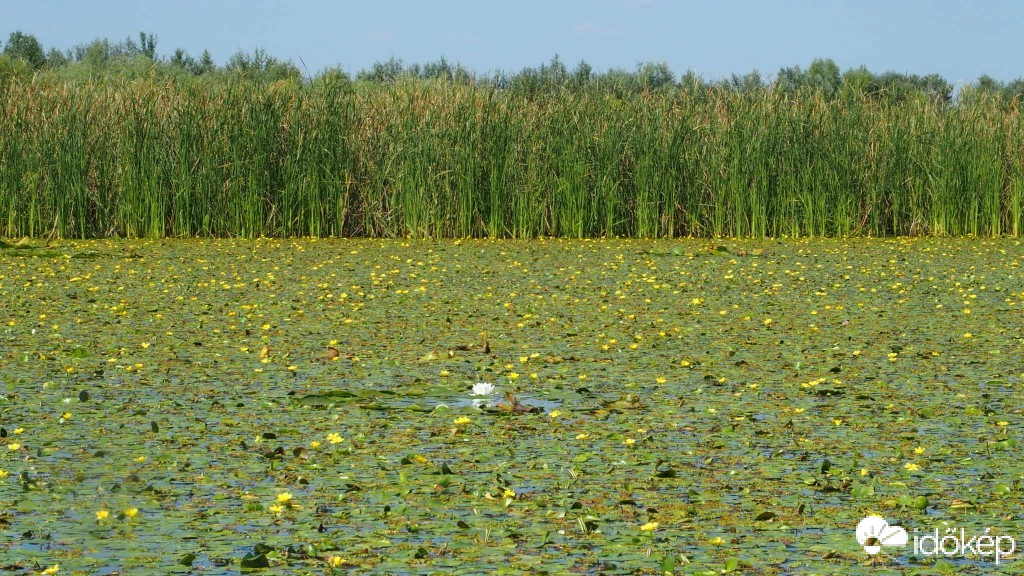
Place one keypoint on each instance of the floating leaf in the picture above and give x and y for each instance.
(254, 561)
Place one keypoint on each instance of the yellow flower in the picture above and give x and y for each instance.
(837, 421)
(555, 413)
(314, 444)
(336, 561)
(66, 416)
(18, 430)
(13, 446)
(582, 436)
(716, 541)
(629, 441)
(509, 493)
(51, 570)
(131, 512)
(284, 497)
(275, 508)
(102, 514)
(4, 473)
(335, 438)
(650, 527)
(660, 380)
(462, 421)
(445, 373)
(1002, 423)
(910, 466)
(919, 450)
(968, 335)
(513, 375)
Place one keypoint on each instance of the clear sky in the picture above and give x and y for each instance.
(959, 39)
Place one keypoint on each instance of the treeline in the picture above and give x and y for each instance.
(24, 56)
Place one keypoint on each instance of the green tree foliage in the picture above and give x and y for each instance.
(25, 47)
(260, 65)
(824, 75)
(751, 83)
(138, 57)
(183, 61)
(385, 72)
(13, 68)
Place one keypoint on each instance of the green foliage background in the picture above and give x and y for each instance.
(111, 140)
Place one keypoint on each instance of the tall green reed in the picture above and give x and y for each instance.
(429, 158)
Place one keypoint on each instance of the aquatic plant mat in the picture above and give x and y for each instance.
(690, 406)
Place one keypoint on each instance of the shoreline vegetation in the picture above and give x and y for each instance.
(167, 148)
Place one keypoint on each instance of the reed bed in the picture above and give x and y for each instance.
(421, 158)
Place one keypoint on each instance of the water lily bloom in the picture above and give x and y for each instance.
(131, 512)
(650, 527)
(284, 497)
(102, 514)
(482, 389)
(462, 421)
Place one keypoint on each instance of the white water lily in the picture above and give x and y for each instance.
(482, 389)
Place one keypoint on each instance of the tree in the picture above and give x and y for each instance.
(383, 72)
(582, 74)
(987, 83)
(57, 59)
(751, 83)
(823, 74)
(936, 88)
(95, 53)
(789, 80)
(147, 45)
(692, 82)
(260, 64)
(25, 47)
(861, 81)
(206, 64)
(654, 75)
(1014, 90)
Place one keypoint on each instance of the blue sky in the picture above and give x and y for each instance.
(959, 39)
